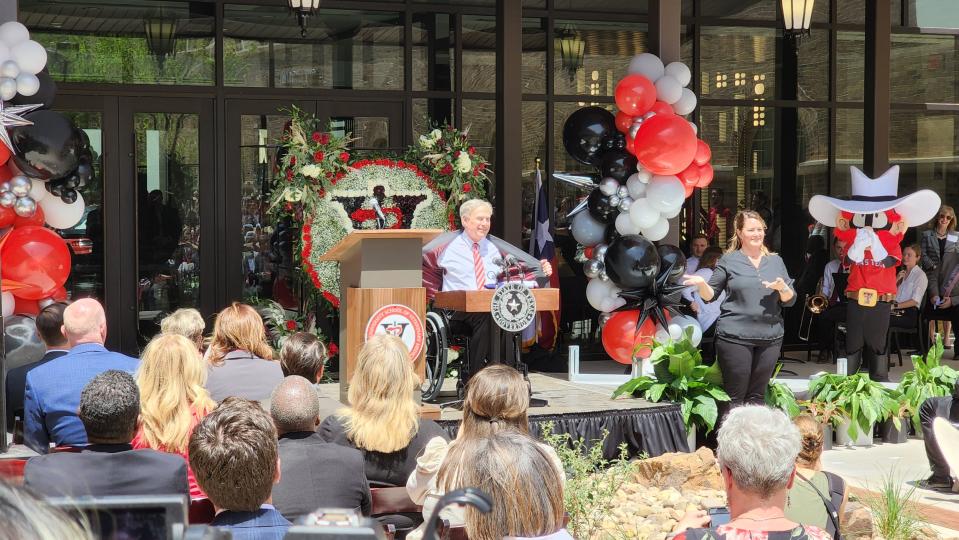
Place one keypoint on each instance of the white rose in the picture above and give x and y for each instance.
(426, 142)
(310, 170)
(292, 194)
(436, 134)
(463, 163)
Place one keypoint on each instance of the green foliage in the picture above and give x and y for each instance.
(895, 516)
(681, 377)
(855, 397)
(928, 378)
(780, 396)
(591, 480)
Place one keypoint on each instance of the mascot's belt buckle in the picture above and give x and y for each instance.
(868, 297)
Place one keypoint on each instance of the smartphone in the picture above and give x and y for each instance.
(718, 516)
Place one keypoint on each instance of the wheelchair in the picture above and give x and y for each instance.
(441, 334)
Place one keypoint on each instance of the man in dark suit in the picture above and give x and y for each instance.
(234, 459)
(50, 328)
(52, 391)
(314, 473)
(109, 410)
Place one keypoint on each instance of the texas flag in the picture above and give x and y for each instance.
(544, 328)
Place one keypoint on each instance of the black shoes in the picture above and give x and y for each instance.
(936, 484)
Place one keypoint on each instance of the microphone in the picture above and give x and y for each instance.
(380, 218)
(510, 261)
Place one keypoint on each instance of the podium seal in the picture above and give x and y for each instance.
(513, 307)
(400, 321)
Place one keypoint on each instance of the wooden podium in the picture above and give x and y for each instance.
(378, 268)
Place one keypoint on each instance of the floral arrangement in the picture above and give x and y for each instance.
(280, 324)
(455, 165)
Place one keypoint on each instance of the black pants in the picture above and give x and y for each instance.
(481, 325)
(941, 407)
(747, 369)
(866, 329)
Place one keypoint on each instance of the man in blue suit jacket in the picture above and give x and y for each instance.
(52, 393)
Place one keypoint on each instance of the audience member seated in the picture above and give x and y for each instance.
(188, 323)
(109, 409)
(757, 454)
(835, 311)
(521, 479)
(305, 355)
(706, 314)
(804, 503)
(814, 264)
(496, 398)
(945, 407)
(314, 473)
(697, 246)
(172, 397)
(24, 516)
(52, 392)
(943, 302)
(241, 360)
(234, 456)
(50, 329)
(911, 285)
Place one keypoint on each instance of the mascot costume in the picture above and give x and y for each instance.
(872, 223)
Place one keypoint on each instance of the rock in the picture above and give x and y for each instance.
(857, 522)
(681, 471)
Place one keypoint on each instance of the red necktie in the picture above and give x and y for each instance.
(478, 267)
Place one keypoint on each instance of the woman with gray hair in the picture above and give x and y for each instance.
(757, 458)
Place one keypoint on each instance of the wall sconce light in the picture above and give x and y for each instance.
(161, 36)
(797, 16)
(571, 49)
(304, 9)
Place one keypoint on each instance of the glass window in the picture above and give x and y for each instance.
(342, 49)
(812, 157)
(813, 55)
(590, 57)
(534, 56)
(433, 51)
(762, 10)
(850, 65)
(632, 6)
(534, 4)
(923, 68)
(137, 42)
(924, 145)
(847, 148)
(738, 62)
(479, 53)
(933, 13)
(437, 111)
(479, 116)
(852, 12)
(534, 147)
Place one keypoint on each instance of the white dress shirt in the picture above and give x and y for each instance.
(828, 283)
(708, 312)
(913, 287)
(692, 264)
(459, 273)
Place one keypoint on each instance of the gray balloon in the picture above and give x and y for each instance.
(603, 319)
(25, 207)
(20, 186)
(21, 342)
(586, 230)
(7, 199)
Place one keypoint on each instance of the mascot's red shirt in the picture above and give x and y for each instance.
(872, 274)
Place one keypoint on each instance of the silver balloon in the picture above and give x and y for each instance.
(603, 319)
(608, 186)
(625, 203)
(649, 115)
(25, 207)
(7, 199)
(5, 186)
(633, 129)
(602, 276)
(599, 251)
(20, 185)
(622, 192)
(593, 268)
(614, 200)
(8, 88)
(21, 341)
(45, 302)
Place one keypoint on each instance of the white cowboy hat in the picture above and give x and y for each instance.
(876, 195)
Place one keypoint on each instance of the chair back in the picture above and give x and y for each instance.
(392, 500)
(12, 470)
(201, 511)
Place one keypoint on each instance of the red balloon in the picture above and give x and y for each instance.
(630, 145)
(36, 219)
(705, 176)
(6, 172)
(623, 122)
(635, 94)
(588, 252)
(5, 152)
(24, 306)
(661, 107)
(620, 338)
(665, 144)
(688, 189)
(37, 257)
(690, 175)
(703, 153)
(7, 216)
(59, 295)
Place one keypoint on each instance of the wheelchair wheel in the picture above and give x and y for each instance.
(435, 356)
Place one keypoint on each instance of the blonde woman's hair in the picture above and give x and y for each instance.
(952, 220)
(739, 223)
(383, 415)
(238, 327)
(186, 322)
(520, 478)
(171, 379)
(810, 439)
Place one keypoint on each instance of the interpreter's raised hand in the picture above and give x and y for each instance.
(547, 268)
(778, 284)
(692, 519)
(693, 279)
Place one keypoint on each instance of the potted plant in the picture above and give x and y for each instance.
(928, 378)
(780, 396)
(681, 377)
(860, 401)
(892, 429)
(827, 416)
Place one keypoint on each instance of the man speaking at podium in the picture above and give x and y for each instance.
(472, 260)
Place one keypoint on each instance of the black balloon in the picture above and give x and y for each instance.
(671, 260)
(49, 148)
(617, 141)
(600, 208)
(632, 262)
(55, 189)
(618, 164)
(45, 95)
(69, 196)
(21, 342)
(585, 134)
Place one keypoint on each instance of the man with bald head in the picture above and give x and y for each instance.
(52, 393)
(313, 472)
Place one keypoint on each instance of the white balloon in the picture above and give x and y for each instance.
(596, 292)
(38, 190)
(642, 214)
(625, 225)
(661, 335)
(665, 193)
(648, 65)
(4, 52)
(30, 56)
(675, 332)
(10, 69)
(13, 32)
(680, 72)
(584, 228)
(635, 186)
(8, 88)
(611, 303)
(9, 303)
(645, 176)
(668, 89)
(608, 186)
(673, 212)
(695, 128)
(686, 103)
(658, 231)
(61, 215)
(27, 84)
(684, 321)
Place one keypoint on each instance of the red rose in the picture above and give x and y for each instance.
(333, 349)
(291, 325)
(467, 187)
(324, 139)
(475, 172)
(441, 142)
(288, 207)
(448, 169)
(317, 137)
(292, 160)
(344, 156)
(471, 150)
(482, 166)
(289, 174)
(318, 156)
(456, 154)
